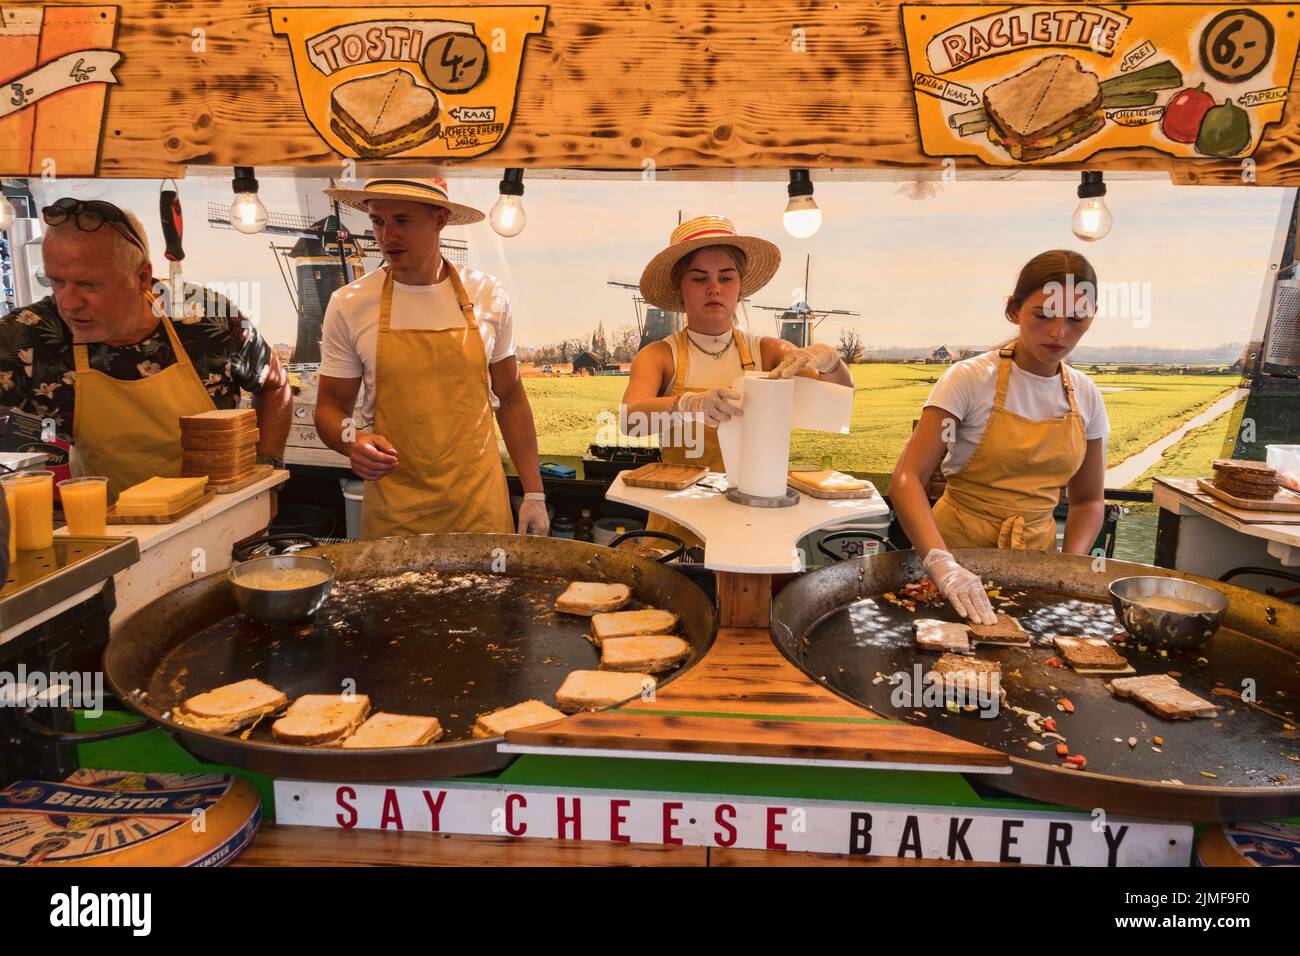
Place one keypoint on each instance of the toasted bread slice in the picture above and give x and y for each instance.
(250, 698)
(394, 730)
(590, 597)
(1162, 695)
(972, 676)
(528, 714)
(1047, 97)
(1006, 631)
(220, 419)
(384, 114)
(631, 623)
(650, 653)
(596, 690)
(320, 719)
(212, 725)
(1090, 653)
(932, 635)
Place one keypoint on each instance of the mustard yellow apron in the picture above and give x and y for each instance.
(1004, 495)
(129, 431)
(432, 403)
(676, 455)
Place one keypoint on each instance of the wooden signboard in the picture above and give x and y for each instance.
(766, 85)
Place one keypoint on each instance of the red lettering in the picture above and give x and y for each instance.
(562, 820)
(1064, 20)
(390, 803)
(1088, 22)
(350, 820)
(998, 34)
(1018, 35)
(325, 46)
(616, 820)
(1041, 27)
(435, 808)
(353, 48)
(513, 800)
(978, 45)
(398, 37)
(773, 828)
(670, 821)
(955, 47)
(730, 838)
(374, 43)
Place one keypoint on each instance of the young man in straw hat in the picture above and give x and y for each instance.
(705, 271)
(435, 347)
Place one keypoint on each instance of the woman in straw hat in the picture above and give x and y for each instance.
(435, 347)
(705, 271)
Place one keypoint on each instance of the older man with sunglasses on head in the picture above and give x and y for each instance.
(103, 360)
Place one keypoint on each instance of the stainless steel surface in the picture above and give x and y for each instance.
(1160, 626)
(787, 500)
(836, 626)
(38, 580)
(283, 606)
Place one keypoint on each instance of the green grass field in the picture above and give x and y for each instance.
(888, 398)
(1190, 457)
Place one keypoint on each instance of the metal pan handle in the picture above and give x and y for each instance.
(845, 535)
(244, 549)
(29, 723)
(678, 543)
(1264, 572)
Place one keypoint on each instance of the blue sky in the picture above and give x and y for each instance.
(922, 271)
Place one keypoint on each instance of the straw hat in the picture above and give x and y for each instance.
(762, 259)
(430, 191)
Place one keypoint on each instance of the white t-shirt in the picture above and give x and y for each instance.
(351, 328)
(968, 389)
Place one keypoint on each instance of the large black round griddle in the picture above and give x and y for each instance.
(836, 626)
(450, 626)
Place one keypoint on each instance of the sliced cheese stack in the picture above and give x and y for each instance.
(221, 445)
(159, 496)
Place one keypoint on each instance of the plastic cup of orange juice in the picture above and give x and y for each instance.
(85, 505)
(33, 508)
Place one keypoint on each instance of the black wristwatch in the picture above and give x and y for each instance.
(273, 460)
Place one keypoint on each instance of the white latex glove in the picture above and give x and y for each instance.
(718, 405)
(532, 515)
(963, 589)
(820, 358)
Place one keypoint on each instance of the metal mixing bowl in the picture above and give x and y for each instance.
(281, 606)
(1163, 628)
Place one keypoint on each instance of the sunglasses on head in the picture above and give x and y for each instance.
(89, 216)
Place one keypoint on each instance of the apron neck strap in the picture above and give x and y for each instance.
(457, 286)
(81, 354)
(742, 347)
(1005, 357)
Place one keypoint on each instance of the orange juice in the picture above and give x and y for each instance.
(85, 505)
(33, 494)
(13, 527)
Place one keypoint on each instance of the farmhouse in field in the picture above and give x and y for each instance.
(947, 354)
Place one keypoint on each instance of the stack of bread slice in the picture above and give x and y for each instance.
(220, 445)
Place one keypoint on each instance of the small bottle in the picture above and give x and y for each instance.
(584, 530)
(562, 528)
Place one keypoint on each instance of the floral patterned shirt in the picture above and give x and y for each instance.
(38, 371)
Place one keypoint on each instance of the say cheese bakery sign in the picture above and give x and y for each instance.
(930, 833)
(408, 81)
(1032, 84)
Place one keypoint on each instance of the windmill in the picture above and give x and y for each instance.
(326, 257)
(797, 321)
(652, 323)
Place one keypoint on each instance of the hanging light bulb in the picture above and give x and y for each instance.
(7, 213)
(1092, 219)
(802, 217)
(247, 214)
(507, 216)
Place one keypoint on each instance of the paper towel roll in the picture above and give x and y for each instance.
(765, 436)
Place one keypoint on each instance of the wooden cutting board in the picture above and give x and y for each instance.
(665, 477)
(239, 484)
(115, 518)
(1284, 501)
(796, 482)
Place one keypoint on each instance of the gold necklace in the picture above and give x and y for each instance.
(731, 340)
